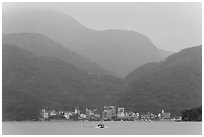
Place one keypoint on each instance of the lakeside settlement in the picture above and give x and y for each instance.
(109, 113)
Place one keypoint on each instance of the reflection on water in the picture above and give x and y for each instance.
(114, 128)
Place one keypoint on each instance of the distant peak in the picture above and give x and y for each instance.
(49, 14)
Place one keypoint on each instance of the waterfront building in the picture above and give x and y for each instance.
(137, 116)
(88, 114)
(153, 116)
(66, 115)
(132, 115)
(110, 111)
(159, 115)
(83, 116)
(121, 113)
(165, 115)
(77, 111)
(146, 116)
(44, 114)
(126, 114)
(53, 113)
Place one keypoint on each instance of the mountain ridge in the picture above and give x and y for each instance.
(41, 45)
(107, 48)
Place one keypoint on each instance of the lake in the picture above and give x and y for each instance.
(113, 128)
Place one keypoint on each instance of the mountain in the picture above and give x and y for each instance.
(118, 51)
(41, 45)
(164, 53)
(30, 83)
(174, 84)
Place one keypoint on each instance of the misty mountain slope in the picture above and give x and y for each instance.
(165, 53)
(174, 84)
(118, 51)
(43, 46)
(31, 82)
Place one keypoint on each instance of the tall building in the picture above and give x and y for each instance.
(88, 114)
(121, 113)
(77, 111)
(110, 111)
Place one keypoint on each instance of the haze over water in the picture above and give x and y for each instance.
(89, 128)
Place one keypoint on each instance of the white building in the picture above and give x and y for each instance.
(66, 115)
(121, 113)
(77, 111)
(53, 113)
(45, 115)
(83, 116)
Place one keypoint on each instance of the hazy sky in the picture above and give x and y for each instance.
(171, 26)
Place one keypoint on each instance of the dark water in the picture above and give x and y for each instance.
(113, 128)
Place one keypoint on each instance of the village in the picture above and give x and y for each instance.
(110, 113)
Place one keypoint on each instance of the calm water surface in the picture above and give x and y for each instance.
(114, 128)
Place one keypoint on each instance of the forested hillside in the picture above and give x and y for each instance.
(31, 83)
(174, 84)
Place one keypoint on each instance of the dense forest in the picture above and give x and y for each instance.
(173, 84)
(193, 114)
(31, 83)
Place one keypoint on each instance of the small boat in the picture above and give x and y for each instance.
(101, 125)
